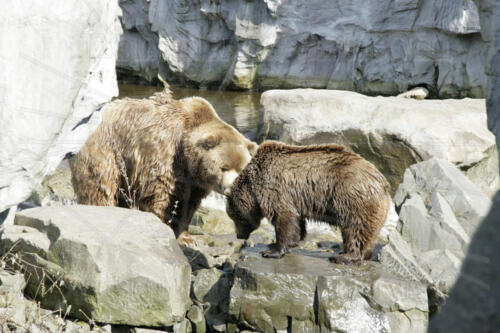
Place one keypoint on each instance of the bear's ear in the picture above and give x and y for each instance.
(208, 143)
(252, 148)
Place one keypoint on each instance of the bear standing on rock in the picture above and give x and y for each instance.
(159, 155)
(288, 184)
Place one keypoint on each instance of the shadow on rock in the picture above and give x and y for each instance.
(473, 302)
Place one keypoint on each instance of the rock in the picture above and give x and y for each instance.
(415, 93)
(447, 191)
(215, 201)
(7, 216)
(391, 132)
(485, 173)
(197, 319)
(319, 236)
(213, 221)
(382, 48)
(54, 83)
(439, 210)
(112, 265)
(11, 288)
(145, 330)
(264, 234)
(212, 251)
(183, 327)
(138, 53)
(211, 288)
(305, 292)
(12, 303)
(473, 302)
(18, 314)
(56, 189)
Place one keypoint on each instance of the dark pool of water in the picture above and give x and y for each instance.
(240, 109)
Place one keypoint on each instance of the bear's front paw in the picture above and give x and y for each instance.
(345, 259)
(186, 239)
(273, 252)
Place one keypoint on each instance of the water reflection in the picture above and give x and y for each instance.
(240, 109)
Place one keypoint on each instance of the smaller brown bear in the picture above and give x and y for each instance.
(289, 184)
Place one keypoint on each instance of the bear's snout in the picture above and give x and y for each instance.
(228, 178)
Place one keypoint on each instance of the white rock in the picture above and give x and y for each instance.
(391, 132)
(58, 68)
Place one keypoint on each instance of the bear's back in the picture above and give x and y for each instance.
(310, 174)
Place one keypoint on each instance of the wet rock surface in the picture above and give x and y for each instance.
(391, 132)
(303, 291)
(108, 264)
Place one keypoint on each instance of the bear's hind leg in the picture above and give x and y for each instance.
(288, 232)
(96, 177)
(353, 244)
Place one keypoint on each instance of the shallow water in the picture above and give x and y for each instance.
(238, 108)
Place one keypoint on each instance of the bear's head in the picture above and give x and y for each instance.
(215, 153)
(242, 206)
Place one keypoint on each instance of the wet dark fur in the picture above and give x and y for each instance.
(288, 184)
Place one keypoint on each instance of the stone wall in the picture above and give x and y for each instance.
(381, 47)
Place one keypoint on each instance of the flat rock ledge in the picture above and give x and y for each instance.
(304, 292)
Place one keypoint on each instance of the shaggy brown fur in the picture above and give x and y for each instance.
(159, 155)
(288, 184)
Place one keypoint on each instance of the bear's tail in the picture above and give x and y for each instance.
(165, 96)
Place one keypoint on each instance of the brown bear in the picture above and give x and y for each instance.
(159, 155)
(289, 184)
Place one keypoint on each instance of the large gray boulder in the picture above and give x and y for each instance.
(384, 47)
(112, 265)
(392, 132)
(304, 292)
(473, 303)
(58, 68)
(439, 211)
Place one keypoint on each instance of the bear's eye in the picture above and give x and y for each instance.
(223, 169)
(208, 144)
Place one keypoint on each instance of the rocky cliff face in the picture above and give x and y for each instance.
(58, 67)
(473, 302)
(382, 47)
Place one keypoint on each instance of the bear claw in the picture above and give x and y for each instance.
(345, 260)
(186, 239)
(273, 254)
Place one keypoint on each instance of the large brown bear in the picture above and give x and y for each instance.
(288, 184)
(159, 155)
